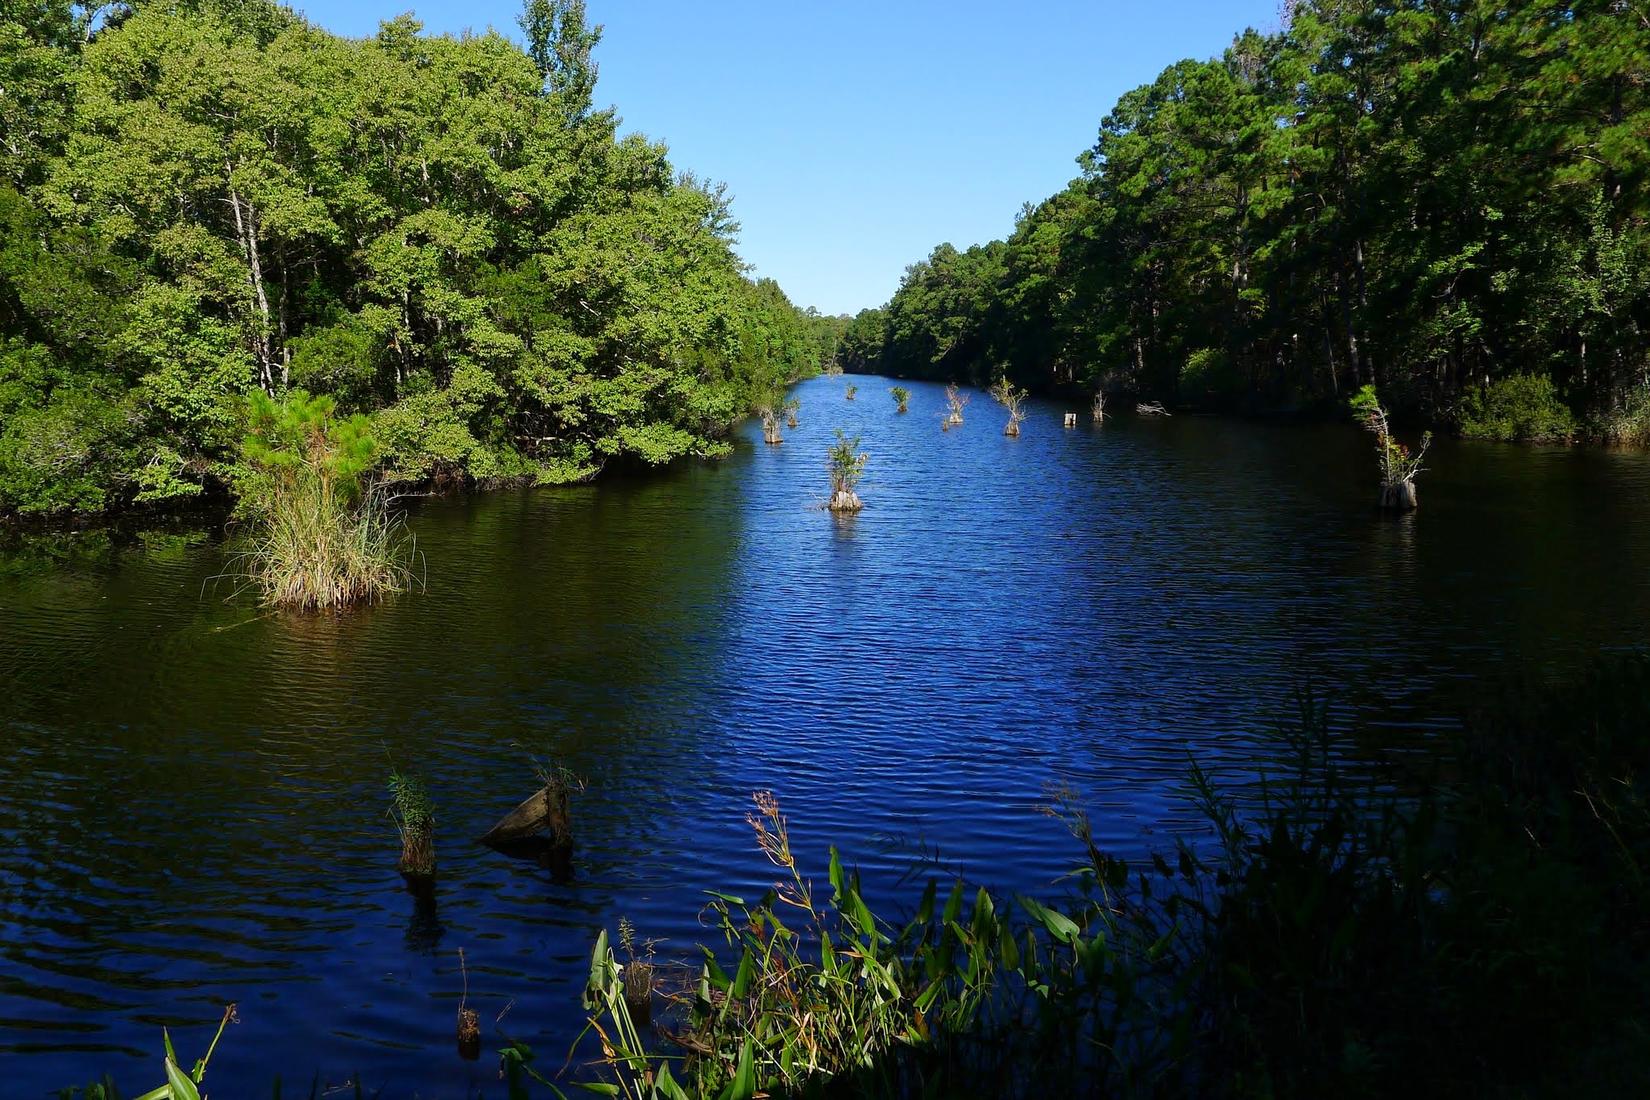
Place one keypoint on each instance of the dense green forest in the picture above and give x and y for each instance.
(1446, 198)
(202, 198)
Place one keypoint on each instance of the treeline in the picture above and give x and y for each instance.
(1445, 198)
(201, 198)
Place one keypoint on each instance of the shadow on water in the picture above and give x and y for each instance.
(192, 807)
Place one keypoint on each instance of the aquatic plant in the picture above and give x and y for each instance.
(320, 537)
(849, 393)
(1010, 397)
(955, 399)
(413, 812)
(179, 1085)
(637, 973)
(792, 407)
(847, 466)
(1399, 465)
(902, 398)
(1483, 936)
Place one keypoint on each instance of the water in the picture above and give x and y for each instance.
(192, 801)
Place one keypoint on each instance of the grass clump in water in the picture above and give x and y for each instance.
(413, 812)
(902, 398)
(322, 537)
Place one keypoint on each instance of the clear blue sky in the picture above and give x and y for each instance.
(854, 135)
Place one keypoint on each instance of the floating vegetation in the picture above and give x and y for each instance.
(902, 398)
(1010, 397)
(414, 815)
(1398, 465)
(847, 465)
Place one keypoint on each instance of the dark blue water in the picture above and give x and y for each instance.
(192, 804)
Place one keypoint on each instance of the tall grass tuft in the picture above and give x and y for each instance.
(413, 812)
(321, 537)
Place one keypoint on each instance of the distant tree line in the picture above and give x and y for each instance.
(201, 198)
(1445, 198)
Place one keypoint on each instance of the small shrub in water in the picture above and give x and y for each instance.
(851, 391)
(1398, 465)
(902, 398)
(847, 465)
(955, 399)
(1010, 397)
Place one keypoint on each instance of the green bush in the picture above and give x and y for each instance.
(1524, 408)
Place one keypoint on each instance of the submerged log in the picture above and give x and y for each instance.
(1151, 408)
(1399, 497)
(546, 812)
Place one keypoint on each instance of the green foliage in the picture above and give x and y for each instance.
(847, 464)
(438, 233)
(902, 397)
(1365, 196)
(1524, 408)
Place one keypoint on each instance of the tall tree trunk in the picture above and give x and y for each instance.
(246, 227)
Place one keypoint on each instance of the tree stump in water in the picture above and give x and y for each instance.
(1071, 420)
(545, 812)
(469, 1035)
(1011, 428)
(638, 991)
(1399, 497)
(845, 500)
